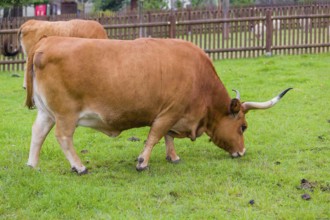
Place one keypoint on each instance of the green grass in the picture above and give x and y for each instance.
(284, 144)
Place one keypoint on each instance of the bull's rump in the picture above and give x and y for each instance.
(125, 83)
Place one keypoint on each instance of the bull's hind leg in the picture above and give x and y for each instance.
(41, 127)
(24, 80)
(158, 129)
(65, 128)
(171, 155)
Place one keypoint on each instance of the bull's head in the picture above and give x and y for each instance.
(228, 133)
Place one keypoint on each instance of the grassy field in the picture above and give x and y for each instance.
(285, 145)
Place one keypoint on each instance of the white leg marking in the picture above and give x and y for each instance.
(41, 127)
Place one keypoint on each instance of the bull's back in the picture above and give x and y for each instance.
(87, 29)
(33, 30)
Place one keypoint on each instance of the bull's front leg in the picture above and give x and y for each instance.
(64, 135)
(40, 129)
(144, 157)
(171, 155)
(158, 130)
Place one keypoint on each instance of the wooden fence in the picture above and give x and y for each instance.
(246, 32)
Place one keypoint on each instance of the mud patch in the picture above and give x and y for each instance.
(174, 194)
(310, 186)
(84, 151)
(306, 196)
(305, 184)
(15, 75)
(133, 139)
(325, 187)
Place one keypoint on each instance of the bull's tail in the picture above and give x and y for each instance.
(6, 51)
(29, 102)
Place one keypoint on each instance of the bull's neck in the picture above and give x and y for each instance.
(219, 108)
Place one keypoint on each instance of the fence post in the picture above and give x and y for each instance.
(172, 32)
(269, 32)
(225, 13)
(141, 31)
(189, 19)
(149, 29)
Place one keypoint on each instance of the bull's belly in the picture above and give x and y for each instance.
(114, 126)
(111, 126)
(96, 121)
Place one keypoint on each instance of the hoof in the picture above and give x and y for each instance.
(85, 171)
(169, 159)
(140, 160)
(140, 169)
(29, 166)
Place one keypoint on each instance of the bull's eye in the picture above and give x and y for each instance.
(244, 127)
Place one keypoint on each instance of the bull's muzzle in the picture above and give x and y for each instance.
(238, 154)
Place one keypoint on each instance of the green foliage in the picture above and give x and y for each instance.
(196, 3)
(154, 4)
(285, 144)
(241, 2)
(11, 3)
(113, 5)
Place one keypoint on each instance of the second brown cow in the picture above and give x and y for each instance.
(33, 30)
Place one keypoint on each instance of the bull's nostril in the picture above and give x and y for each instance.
(238, 153)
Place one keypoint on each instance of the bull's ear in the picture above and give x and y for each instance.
(235, 106)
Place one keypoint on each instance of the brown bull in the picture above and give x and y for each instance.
(109, 85)
(33, 30)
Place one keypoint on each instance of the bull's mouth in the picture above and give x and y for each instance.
(238, 154)
(226, 147)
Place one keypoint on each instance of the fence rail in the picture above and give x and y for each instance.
(269, 31)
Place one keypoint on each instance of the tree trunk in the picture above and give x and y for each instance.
(134, 5)
(15, 11)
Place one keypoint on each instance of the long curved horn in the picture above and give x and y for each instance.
(263, 105)
(238, 96)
